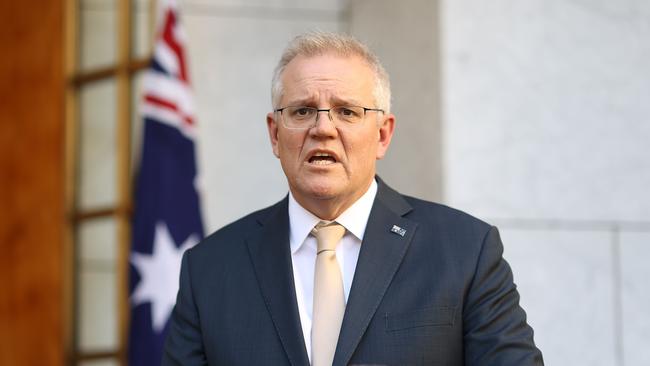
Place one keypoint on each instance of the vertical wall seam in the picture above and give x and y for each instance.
(617, 296)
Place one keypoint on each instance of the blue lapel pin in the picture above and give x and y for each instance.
(398, 230)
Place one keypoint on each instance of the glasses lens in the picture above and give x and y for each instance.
(299, 117)
(348, 114)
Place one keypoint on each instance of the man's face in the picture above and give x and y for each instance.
(328, 185)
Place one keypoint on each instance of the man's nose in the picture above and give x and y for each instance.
(329, 115)
(324, 125)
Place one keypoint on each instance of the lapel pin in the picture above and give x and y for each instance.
(398, 230)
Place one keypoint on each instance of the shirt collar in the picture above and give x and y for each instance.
(354, 219)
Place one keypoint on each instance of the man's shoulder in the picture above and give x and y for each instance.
(233, 235)
(424, 211)
(456, 232)
(441, 212)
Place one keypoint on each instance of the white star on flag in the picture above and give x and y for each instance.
(159, 274)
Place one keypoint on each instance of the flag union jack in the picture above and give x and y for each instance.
(167, 218)
(167, 95)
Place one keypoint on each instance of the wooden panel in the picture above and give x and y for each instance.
(32, 216)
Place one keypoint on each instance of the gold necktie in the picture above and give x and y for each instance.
(329, 300)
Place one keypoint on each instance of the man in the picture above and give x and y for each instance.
(345, 270)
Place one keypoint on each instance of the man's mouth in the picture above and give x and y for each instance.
(322, 158)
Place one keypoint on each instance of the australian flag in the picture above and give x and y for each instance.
(167, 218)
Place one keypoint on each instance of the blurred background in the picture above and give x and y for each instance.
(533, 115)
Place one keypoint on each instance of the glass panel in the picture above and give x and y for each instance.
(97, 325)
(98, 241)
(107, 362)
(97, 34)
(97, 157)
(142, 29)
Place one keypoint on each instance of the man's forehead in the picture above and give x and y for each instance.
(342, 78)
(324, 63)
(340, 94)
(314, 99)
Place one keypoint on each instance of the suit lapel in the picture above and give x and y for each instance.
(382, 251)
(269, 252)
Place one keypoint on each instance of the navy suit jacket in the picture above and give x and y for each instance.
(437, 292)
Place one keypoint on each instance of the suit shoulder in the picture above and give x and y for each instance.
(458, 234)
(231, 235)
(448, 216)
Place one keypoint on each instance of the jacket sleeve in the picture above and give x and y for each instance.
(494, 325)
(184, 344)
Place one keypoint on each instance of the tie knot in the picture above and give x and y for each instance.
(328, 235)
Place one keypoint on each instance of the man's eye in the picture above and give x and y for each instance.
(303, 112)
(348, 112)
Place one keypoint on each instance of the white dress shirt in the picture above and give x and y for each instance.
(303, 251)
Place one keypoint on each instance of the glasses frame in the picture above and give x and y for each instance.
(329, 114)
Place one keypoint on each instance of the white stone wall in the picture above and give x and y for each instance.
(546, 133)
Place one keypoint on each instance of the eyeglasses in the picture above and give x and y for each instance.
(301, 117)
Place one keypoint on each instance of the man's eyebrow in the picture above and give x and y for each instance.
(311, 102)
(307, 102)
(346, 102)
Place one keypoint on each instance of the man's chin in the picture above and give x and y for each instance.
(321, 189)
(323, 193)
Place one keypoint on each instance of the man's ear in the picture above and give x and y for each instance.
(272, 126)
(386, 128)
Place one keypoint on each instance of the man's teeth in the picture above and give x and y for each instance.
(322, 159)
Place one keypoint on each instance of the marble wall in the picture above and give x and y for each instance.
(545, 134)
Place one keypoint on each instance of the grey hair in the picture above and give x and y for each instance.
(320, 43)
